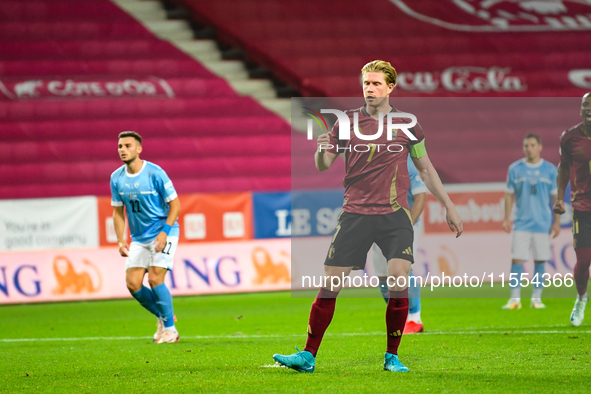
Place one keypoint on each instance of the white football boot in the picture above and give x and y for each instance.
(576, 318)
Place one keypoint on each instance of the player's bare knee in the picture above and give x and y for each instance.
(155, 280)
(334, 285)
(399, 271)
(156, 276)
(133, 286)
(399, 267)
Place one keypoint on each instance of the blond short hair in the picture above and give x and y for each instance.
(381, 66)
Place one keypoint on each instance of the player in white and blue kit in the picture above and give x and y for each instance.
(531, 182)
(416, 197)
(152, 207)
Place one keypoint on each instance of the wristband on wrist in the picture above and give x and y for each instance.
(167, 228)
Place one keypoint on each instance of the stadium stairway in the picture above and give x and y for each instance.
(73, 74)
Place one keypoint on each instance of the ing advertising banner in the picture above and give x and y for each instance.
(99, 273)
(485, 255)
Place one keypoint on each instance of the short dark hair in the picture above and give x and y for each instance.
(531, 135)
(131, 134)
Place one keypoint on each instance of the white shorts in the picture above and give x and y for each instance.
(380, 265)
(523, 241)
(145, 256)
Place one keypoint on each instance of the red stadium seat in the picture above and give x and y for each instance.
(75, 73)
(319, 47)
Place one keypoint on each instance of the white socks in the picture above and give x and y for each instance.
(416, 317)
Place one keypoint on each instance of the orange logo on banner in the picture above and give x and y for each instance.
(448, 261)
(107, 236)
(215, 217)
(69, 281)
(267, 271)
(203, 218)
(480, 211)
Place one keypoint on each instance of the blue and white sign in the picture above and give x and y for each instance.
(315, 213)
(271, 214)
(298, 214)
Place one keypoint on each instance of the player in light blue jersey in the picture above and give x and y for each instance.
(531, 182)
(416, 197)
(152, 207)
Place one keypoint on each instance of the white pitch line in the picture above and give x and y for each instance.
(344, 334)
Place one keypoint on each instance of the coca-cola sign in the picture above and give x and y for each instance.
(501, 15)
(462, 80)
(580, 78)
(79, 88)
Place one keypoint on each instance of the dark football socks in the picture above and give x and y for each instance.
(396, 313)
(320, 317)
(581, 270)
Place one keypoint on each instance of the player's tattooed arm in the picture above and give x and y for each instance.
(173, 214)
(322, 157)
(431, 179)
(562, 181)
(509, 197)
(119, 222)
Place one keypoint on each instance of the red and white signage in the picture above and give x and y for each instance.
(462, 80)
(480, 211)
(501, 15)
(203, 218)
(59, 88)
(580, 78)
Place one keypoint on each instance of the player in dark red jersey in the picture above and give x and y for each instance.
(375, 210)
(575, 163)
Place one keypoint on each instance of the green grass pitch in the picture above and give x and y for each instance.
(470, 345)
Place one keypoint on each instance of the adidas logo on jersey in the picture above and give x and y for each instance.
(408, 251)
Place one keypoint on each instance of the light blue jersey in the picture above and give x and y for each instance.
(416, 185)
(146, 196)
(533, 186)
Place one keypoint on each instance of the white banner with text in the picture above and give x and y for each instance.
(48, 223)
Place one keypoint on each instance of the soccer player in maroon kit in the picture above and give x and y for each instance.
(375, 209)
(575, 163)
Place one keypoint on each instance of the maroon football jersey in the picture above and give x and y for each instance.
(575, 149)
(377, 179)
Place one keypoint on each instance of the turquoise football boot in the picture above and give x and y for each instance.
(392, 364)
(301, 361)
